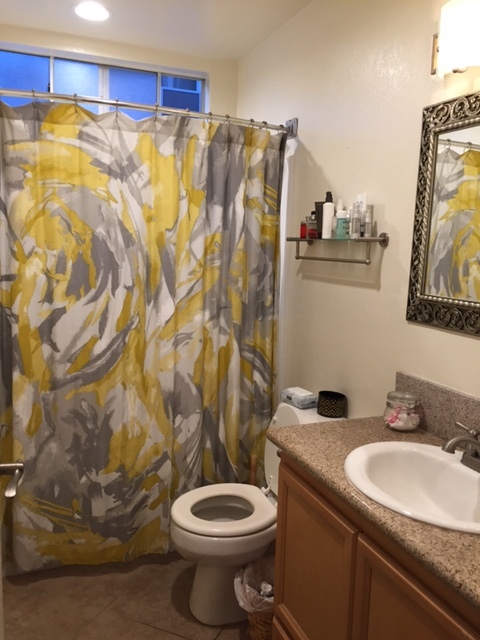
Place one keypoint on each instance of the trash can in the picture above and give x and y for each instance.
(254, 591)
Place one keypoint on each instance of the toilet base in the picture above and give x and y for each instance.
(212, 599)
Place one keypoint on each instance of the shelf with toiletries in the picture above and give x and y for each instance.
(382, 240)
(330, 224)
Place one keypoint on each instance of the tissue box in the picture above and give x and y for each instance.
(299, 397)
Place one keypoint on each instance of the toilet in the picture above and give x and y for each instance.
(225, 526)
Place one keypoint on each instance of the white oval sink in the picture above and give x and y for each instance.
(420, 481)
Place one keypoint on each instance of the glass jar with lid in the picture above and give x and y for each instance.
(400, 411)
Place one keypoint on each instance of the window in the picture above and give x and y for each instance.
(23, 71)
(129, 85)
(181, 93)
(67, 76)
(73, 76)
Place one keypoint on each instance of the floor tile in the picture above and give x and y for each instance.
(159, 597)
(40, 617)
(111, 625)
(145, 599)
(237, 631)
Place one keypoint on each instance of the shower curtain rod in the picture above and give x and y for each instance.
(457, 143)
(290, 127)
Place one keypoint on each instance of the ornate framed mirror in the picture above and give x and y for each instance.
(444, 286)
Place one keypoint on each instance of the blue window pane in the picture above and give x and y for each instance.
(25, 72)
(181, 93)
(73, 77)
(180, 99)
(178, 82)
(129, 85)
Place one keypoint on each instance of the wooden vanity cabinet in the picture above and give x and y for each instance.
(333, 581)
(315, 549)
(389, 603)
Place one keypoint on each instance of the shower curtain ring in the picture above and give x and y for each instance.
(156, 111)
(227, 119)
(34, 98)
(116, 108)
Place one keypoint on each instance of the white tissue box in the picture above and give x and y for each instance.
(299, 397)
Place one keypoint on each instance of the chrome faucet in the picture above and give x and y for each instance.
(471, 445)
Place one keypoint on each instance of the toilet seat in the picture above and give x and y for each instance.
(260, 512)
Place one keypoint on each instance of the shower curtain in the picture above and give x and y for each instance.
(138, 315)
(454, 245)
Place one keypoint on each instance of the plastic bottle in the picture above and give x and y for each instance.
(341, 233)
(348, 223)
(368, 221)
(319, 215)
(355, 222)
(328, 213)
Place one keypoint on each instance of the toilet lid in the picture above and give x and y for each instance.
(263, 512)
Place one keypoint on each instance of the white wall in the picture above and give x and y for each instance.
(357, 75)
(222, 76)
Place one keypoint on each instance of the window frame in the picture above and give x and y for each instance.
(104, 63)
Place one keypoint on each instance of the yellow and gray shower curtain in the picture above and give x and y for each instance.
(453, 252)
(138, 310)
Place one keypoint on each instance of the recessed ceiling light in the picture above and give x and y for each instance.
(92, 11)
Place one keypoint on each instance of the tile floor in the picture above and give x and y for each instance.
(144, 600)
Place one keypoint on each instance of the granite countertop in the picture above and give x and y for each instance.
(321, 450)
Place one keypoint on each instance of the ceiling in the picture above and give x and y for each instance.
(221, 29)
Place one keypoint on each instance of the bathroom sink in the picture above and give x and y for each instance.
(420, 481)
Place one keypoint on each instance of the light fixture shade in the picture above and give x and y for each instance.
(458, 36)
(90, 10)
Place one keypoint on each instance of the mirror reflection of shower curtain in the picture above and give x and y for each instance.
(138, 311)
(452, 269)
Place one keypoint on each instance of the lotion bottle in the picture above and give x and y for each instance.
(341, 233)
(328, 213)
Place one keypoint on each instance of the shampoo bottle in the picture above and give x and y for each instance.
(328, 213)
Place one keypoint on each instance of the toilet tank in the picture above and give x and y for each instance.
(285, 415)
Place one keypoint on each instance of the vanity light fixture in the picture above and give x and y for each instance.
(457, 45)
(92, 11)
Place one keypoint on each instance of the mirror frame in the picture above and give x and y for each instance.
(442, 312)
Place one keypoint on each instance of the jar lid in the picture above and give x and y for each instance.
(402, 398)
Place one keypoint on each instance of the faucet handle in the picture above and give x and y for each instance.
(474, 433)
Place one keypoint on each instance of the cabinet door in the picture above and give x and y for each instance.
(314, 563)
(389, 603)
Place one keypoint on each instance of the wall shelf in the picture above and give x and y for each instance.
(382, 240)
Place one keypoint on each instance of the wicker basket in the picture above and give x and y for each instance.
(260, 625)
